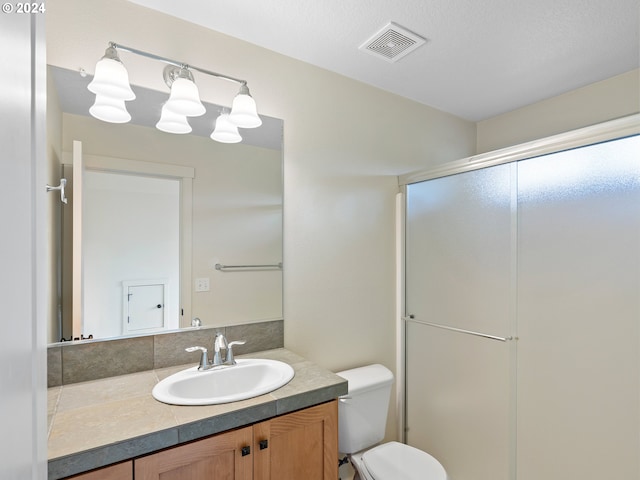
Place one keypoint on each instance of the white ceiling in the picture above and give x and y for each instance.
(482, 57)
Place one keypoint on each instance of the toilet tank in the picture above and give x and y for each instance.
(362, 413)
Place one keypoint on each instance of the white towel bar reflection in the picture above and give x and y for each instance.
(410, 318)
(229, 268)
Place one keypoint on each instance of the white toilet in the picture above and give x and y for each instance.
(362, 417)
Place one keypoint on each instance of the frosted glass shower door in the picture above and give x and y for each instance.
(579, 314)
(546, 250)
(459, 273)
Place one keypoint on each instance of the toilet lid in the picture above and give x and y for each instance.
(393, 460)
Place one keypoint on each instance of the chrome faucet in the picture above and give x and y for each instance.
(222, 344)
(219, 344)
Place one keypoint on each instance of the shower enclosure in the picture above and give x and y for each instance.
(522, 314)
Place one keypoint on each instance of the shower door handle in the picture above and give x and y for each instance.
(411, 318)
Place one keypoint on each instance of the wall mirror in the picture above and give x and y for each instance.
(160, 215)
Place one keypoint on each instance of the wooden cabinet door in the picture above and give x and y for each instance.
(220, 457)
(299, 445)
(121, 471)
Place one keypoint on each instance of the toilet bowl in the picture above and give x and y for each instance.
(362, 417)
(393, 460)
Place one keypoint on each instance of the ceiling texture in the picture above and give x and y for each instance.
(481, 58)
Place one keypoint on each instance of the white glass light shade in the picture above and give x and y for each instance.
(243, 111)
(225, 131)
(112, 80)
(171, 122)
(109, 110)
(185, 98)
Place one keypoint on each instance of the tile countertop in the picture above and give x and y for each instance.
(100, 422)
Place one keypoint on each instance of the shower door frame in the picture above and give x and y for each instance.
(606, 131)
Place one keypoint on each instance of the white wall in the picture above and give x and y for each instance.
(612, 98)
(23, 278)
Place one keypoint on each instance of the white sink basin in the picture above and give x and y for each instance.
(248, 379)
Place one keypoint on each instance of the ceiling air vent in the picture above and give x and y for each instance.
(392, 43)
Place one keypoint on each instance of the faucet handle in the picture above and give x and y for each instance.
(204, 360)
(230, 359)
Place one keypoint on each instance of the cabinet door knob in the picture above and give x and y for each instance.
(263, 444)
(245, 451)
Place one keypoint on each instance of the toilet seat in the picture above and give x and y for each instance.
(393, 461)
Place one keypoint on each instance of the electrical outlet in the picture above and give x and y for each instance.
(202, 284)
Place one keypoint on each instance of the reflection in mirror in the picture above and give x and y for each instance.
(113, 277)
(146, 234)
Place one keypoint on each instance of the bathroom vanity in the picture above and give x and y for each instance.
(113, 429)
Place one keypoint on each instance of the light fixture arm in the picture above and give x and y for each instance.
(175, 63)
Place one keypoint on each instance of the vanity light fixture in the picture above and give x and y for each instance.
(109, 109)
(172, 122)
(111, 78)
(226, 131)
(112, 89)
(185, 97)
(243, 112)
